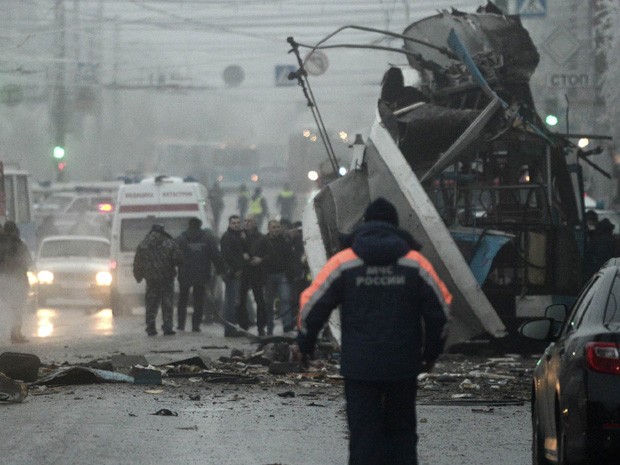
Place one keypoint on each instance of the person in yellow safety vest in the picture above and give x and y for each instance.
(286, 201)
(258, 207)
(243, 201)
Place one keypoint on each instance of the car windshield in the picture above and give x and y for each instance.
(134, 230)
(75, 248)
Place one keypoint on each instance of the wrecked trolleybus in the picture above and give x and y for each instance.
(493, 196)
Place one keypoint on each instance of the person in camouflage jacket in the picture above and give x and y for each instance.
(156, 260)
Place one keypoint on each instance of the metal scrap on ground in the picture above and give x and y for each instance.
(456, 379)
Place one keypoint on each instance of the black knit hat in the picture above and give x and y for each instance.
(381, 210)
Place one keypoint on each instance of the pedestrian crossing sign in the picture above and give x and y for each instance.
(532, 7)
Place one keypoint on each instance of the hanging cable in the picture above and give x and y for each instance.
(302, 80)
(302, 76)
(443, 50)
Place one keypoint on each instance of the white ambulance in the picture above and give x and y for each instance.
(163, 199)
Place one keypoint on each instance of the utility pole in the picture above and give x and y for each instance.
(58, 111)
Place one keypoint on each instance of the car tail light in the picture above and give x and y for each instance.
(603, 357)
(611, 425)
(105, 207)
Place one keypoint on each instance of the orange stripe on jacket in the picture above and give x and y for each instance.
(332, 265)
(426, 266)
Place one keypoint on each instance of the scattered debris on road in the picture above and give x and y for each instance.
(456, 379)
(24, 367)
(12, 390)
(164, 412)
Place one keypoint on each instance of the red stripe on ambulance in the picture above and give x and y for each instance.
(167, 207)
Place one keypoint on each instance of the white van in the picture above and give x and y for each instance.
(166, 200)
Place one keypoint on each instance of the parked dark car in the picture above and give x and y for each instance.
(576, 383)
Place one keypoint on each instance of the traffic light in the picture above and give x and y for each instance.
(551, 119)
(59, 160)
(58, 152)
(551, 112)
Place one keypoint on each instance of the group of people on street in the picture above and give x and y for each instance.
(191, 257)
(270, 265)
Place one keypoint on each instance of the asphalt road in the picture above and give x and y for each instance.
(227, 424)
(215, 423)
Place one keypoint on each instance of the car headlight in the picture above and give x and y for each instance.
(103, 278)
(45, 277)
(32, 278)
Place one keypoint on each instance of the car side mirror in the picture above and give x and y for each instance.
(556, 312)
(540, 330)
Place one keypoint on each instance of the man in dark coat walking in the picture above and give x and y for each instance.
(252, 277)
(231, 245)
(200, 253)
(393, 312)
(279, 269)
(156, 259)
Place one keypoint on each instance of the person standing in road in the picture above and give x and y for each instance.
(393, 313)
(258, 207)
(156, 260)
(287, 201)
(216, 199)
(243, 201)
(253, 274)
(200, 253)
(278, 265)
(231, 244)
(15, 261)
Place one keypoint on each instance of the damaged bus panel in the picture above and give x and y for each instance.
(475, 176)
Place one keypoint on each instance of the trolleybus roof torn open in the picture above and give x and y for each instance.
(494, 197)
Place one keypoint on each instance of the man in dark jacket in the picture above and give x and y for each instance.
(200, 252)
(253, 275)
(393, 312)
(15, 261)
(231, 245)
(279, 268)
(156, 259)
